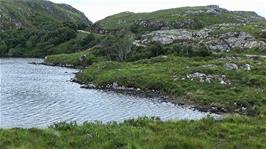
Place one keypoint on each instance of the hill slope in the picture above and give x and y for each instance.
(191, 54)
(16, 14)
(34, 28)
(185, 17)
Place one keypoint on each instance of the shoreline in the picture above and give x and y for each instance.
(144, 93)
(202, 107)
(154, 94)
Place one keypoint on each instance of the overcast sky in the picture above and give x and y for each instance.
(99, 9)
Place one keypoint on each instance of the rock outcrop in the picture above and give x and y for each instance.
(168, 36)
(207, 78)
(231, 66)
(223, 41)
(241, 40)
(177, 18)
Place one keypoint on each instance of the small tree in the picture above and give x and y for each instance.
(123, 46)
(3, 48)
(118, 47)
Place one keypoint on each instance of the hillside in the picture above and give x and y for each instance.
(207, 57)
(18, 14)
(35, 28)
(205, 64)
(184, 17)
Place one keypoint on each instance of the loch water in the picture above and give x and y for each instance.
(38, 96)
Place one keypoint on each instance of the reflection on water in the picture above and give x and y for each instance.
(37, 96)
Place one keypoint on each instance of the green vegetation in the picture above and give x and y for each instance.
(17, 14)
(74, 60)
(39, 43)
(165, 74)
(109, 56)
(233, 132)
(32, 28)
(185, 17)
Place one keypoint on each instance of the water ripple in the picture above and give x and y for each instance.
(38, 96)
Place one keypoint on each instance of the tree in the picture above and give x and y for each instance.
(3, 48)
(123, 46)
(156, 49)
(118, 47)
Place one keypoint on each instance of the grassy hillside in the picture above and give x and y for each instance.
(193, 55)
(242, 91)
(190, 64)
(16, 14)
(185, 17)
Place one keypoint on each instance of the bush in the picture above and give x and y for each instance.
(190, 51)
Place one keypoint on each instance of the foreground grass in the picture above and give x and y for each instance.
(165, 74)
(234, 132)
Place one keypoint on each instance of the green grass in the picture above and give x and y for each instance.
(29, 12)
(71, 59)
(165, 74)
(66, 48)
(74, 58)
(126, 20)
(233, 132)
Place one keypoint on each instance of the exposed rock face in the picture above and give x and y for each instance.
(202, 34)
(215, 10)
(151, 24)
(218, 45)
(214, 41)
(241, 40)
(168, 36)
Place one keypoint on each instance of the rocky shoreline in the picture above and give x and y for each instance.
(229, 63)
(153, 94)
(59, 65)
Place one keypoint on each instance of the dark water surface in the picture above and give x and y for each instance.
(38, 95)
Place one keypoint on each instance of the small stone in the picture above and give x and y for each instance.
(208, 80)
(231, 66)
(243, 108)
(115, 85)
(222, 82)
(202, 80)
(246, 67)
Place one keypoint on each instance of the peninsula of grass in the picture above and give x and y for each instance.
(167, 74)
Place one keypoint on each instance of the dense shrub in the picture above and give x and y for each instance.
(44, 38)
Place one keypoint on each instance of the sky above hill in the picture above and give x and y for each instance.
(99, 9)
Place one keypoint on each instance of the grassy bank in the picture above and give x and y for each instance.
(245, 93)
(233, 132)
